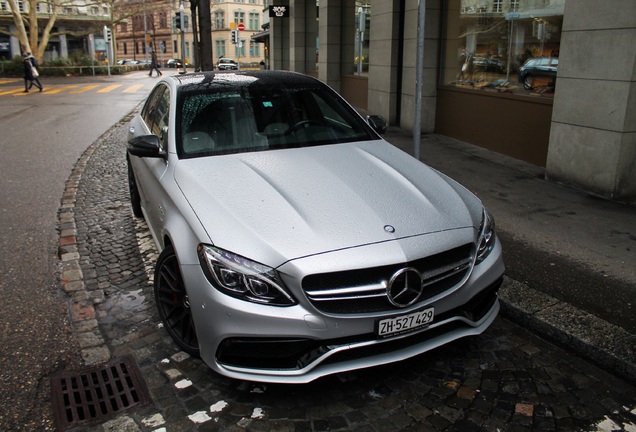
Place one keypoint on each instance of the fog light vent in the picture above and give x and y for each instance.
(92, 395)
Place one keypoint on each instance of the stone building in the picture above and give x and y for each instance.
(576, 118)
(75, 21)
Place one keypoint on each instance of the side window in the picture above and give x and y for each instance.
(151, 103)
(162, 118)
(156, 113)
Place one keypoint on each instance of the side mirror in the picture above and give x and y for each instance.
(377, 123)
(146, 146)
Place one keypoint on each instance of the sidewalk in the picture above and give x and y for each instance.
(570, 257)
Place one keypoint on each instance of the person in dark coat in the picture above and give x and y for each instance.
(30, 72)
(154, 65)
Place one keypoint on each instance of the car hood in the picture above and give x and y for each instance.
(279, 205)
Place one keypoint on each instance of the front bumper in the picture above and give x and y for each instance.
(298, 344)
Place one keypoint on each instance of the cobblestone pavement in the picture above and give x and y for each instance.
(504, 380)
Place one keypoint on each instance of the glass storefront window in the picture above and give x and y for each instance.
(507, 46)
(363, 33)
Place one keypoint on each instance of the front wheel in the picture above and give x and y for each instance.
(173, 303)
(528, 82)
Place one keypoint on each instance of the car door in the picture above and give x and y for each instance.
(149, 171)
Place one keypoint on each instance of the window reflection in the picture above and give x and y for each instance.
(507, 46)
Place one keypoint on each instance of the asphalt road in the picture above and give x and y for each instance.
(42, 136)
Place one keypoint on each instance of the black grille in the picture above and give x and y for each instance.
(294, 354)
(364, 290)
(92, 395)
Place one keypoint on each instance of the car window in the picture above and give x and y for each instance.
(156, 113)
(233, 119)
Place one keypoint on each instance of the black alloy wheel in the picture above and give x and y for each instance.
(135, 198)
(173, 303)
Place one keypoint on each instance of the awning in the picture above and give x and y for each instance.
(261, 37)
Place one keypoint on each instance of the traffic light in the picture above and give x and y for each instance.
(235, 36)
(108, 36)
(177, 20)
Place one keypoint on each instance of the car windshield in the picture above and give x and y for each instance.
(240, 113)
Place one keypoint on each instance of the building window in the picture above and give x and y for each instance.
(3, 6)
(175, 45)
(123, 27)
(488, 54)
(219, 20)
(239, 17)
(254, 49)
(254, 22)
(125, 45)
(362, 25)
(219, 48)
(163, 20)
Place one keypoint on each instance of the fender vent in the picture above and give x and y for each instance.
(92, 395)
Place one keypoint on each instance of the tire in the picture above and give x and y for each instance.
(528, 82)
(135, 198)
(172, 302)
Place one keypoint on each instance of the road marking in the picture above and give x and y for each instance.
(85, 88)
(109, 88)
(59, 89)
(133, 88)
(8, 80)
(8, 92)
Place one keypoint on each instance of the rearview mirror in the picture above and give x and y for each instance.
(146, 146)
(377, 123)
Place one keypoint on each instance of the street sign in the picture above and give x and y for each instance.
(241, 26)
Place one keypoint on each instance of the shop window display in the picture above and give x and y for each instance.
(509, 46)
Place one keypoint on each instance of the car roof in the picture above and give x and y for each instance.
(242, 78)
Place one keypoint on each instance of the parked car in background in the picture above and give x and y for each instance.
(295, 241)
(488, 64)
(227, 64)
(544, 68)
(174, 63)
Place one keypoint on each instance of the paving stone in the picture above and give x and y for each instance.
(506, 379)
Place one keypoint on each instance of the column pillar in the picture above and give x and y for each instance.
(593, 132)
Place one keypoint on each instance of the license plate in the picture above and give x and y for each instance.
(404, 323)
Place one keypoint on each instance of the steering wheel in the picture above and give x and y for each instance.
(302, 124)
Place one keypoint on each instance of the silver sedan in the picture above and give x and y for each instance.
(296, 242)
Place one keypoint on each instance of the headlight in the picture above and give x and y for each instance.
(242, 278)
(487, 236)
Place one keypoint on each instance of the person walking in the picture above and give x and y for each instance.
(154, 65)
(31, 73)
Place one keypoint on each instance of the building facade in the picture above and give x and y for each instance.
(227, 16)
(574, 113)
(144, 27)
(75, 21)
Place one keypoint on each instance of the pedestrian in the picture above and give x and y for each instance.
(154, 65)
(31, 73)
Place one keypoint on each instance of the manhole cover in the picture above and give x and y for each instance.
(91, 395)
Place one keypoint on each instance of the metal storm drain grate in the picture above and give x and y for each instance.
(91, 395)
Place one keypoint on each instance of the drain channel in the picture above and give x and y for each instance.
(91, 395)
